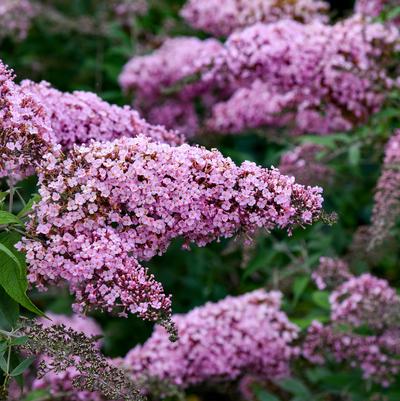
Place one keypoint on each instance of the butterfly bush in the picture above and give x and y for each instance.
(149, 75)
(303, 164)
(80, 117)
(373, 8)
(363, 301)
(311, 77)
(331, 75)
(387, 194)
(220, 342)
(25, 132)
(126, 10)
(109, 205)
(376, 356)
(16, 17)
(330, 273)
(221, 18)
(61, 382)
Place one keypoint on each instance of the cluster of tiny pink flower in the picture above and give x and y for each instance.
(79, 117)
(376, 356)
(127, 10)
(59, 383)
(25, 133)
(221, 18)
(109, 204)
(303, 164)
(386, 209)
(330, 273)
(220, 341)
(316, 78)
(319, 69)
(150, 75)
(15, 18)
(363, 301)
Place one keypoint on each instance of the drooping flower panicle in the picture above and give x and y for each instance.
(221, 18)
(109, 205)
(220, 342)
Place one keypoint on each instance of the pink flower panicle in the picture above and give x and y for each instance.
(221, 18)
(329, 75)
(386, 209)
(25, 134)
(62, 382)
(330, 273)
(149, 75)
(302, 163)
(109, 205)
(240, 335)
(80, 117)
(365, 301)
(376, 356)
(16, 17)
(360, 302)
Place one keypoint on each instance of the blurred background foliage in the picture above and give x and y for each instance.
(77, 47)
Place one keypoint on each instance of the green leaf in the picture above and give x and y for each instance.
(3, 196)
(19, 340)
(264, 395)
(9, 311)
(8, 218)
(12, 274)
(354, 154)
(321, 298)
(37, 395)
(22, 366)
(3, 364)
(299, 286)
(3, 347)
(28, 207)
(294, 386)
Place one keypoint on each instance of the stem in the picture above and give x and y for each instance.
(11, 202)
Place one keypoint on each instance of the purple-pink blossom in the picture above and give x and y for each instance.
(62, 382)
(177, 59)
(330, 273)
(222, 341)
(387, 194)
(16, 17)
(80, 117)
(109, 205)
(221, 18)
(25, 132)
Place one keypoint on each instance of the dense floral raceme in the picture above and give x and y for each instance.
(363, 301)
(303, 164)
(220, 341)
(79, 117)
(330, 273)
(25, 133)
(331, 75)
(221, 18)
(311, 77)
(149, 75)
(15, 18)
(376, 356)
(110, 204)
(386, 209)
(61, 382)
